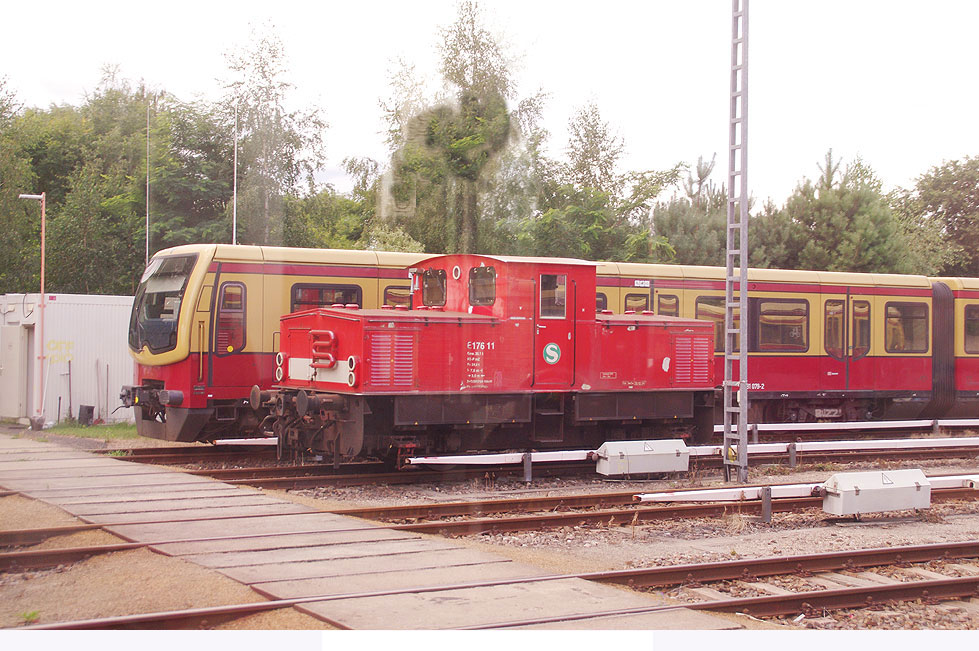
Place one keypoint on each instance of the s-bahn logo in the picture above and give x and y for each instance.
(552, 353)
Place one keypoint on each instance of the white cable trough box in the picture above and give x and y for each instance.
(638, 457)
(851, 493)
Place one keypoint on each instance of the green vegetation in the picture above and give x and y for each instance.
(113, 431)
(468, 172)
(30, 618)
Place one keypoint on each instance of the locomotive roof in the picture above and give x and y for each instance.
(507, 259)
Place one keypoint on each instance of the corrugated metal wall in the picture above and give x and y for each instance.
(86, 333)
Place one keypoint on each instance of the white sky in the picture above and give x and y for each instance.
(893, 82)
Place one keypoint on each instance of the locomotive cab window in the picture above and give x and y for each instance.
(397, 295)
(433, 287)
(230, 332)
(667, 305)
(307, 296)
(156, 308)
(906, 328)
(482, 285)
(553, 296)
(637, 302)
(972, 329)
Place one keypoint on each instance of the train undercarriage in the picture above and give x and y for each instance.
(339, 427)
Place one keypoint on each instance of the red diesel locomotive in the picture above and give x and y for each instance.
(498, 353)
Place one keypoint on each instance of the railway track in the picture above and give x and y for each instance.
(828, 582)
(311, 475)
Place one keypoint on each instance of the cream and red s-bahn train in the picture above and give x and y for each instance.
(823, 346)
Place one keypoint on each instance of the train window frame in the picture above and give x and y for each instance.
(904, 321)
(780, 347)
(550, 304)
(842, 328)
(221, 310)
(659, 304)
(431, 279)
(482, 290)
(294, 296)
(391, 289)
(601, 301)
(643, 297)
(718, 325)
(968, 318)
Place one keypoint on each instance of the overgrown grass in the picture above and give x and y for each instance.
(113, 431)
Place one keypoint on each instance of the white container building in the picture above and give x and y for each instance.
(84, 355)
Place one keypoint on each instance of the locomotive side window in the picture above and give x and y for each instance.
(306, 297)
(972, 328)
(861, 328)
(637, 302)
(230, 333)
(833, 329)
(667, 305)
(397, 295)
(711, 308)
(482, 285)
(553, 295)
(783, 325)
(601, 302)
(433, 287)
(906, 328)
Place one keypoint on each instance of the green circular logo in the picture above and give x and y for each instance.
(552, 353)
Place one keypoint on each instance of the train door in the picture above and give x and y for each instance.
(846, 338)
(835, 328)
(859, 365)
(554, 332)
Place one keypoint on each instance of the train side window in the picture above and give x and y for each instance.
(482, 286)
(553, 295)
(783, 325)
(861, 328)
(397, 295)
(833, 329)
(972, 329)
(711, 308)
(309, 296)
(667, 305)
(601, 302)
(906, 328)
(230, 332)
(637, 302)
(433, 287)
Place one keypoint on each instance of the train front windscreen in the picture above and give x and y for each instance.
(156, 309)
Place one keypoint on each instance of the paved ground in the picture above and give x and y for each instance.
(371, 577)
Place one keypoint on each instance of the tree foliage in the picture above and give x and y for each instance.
(280, 149)
(470, 170)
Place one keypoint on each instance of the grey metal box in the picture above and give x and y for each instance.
(638, 457)
(872, 492)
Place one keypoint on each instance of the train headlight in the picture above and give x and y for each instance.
(280, 359)
(351, 363)
(351, 379)
(278, 374)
